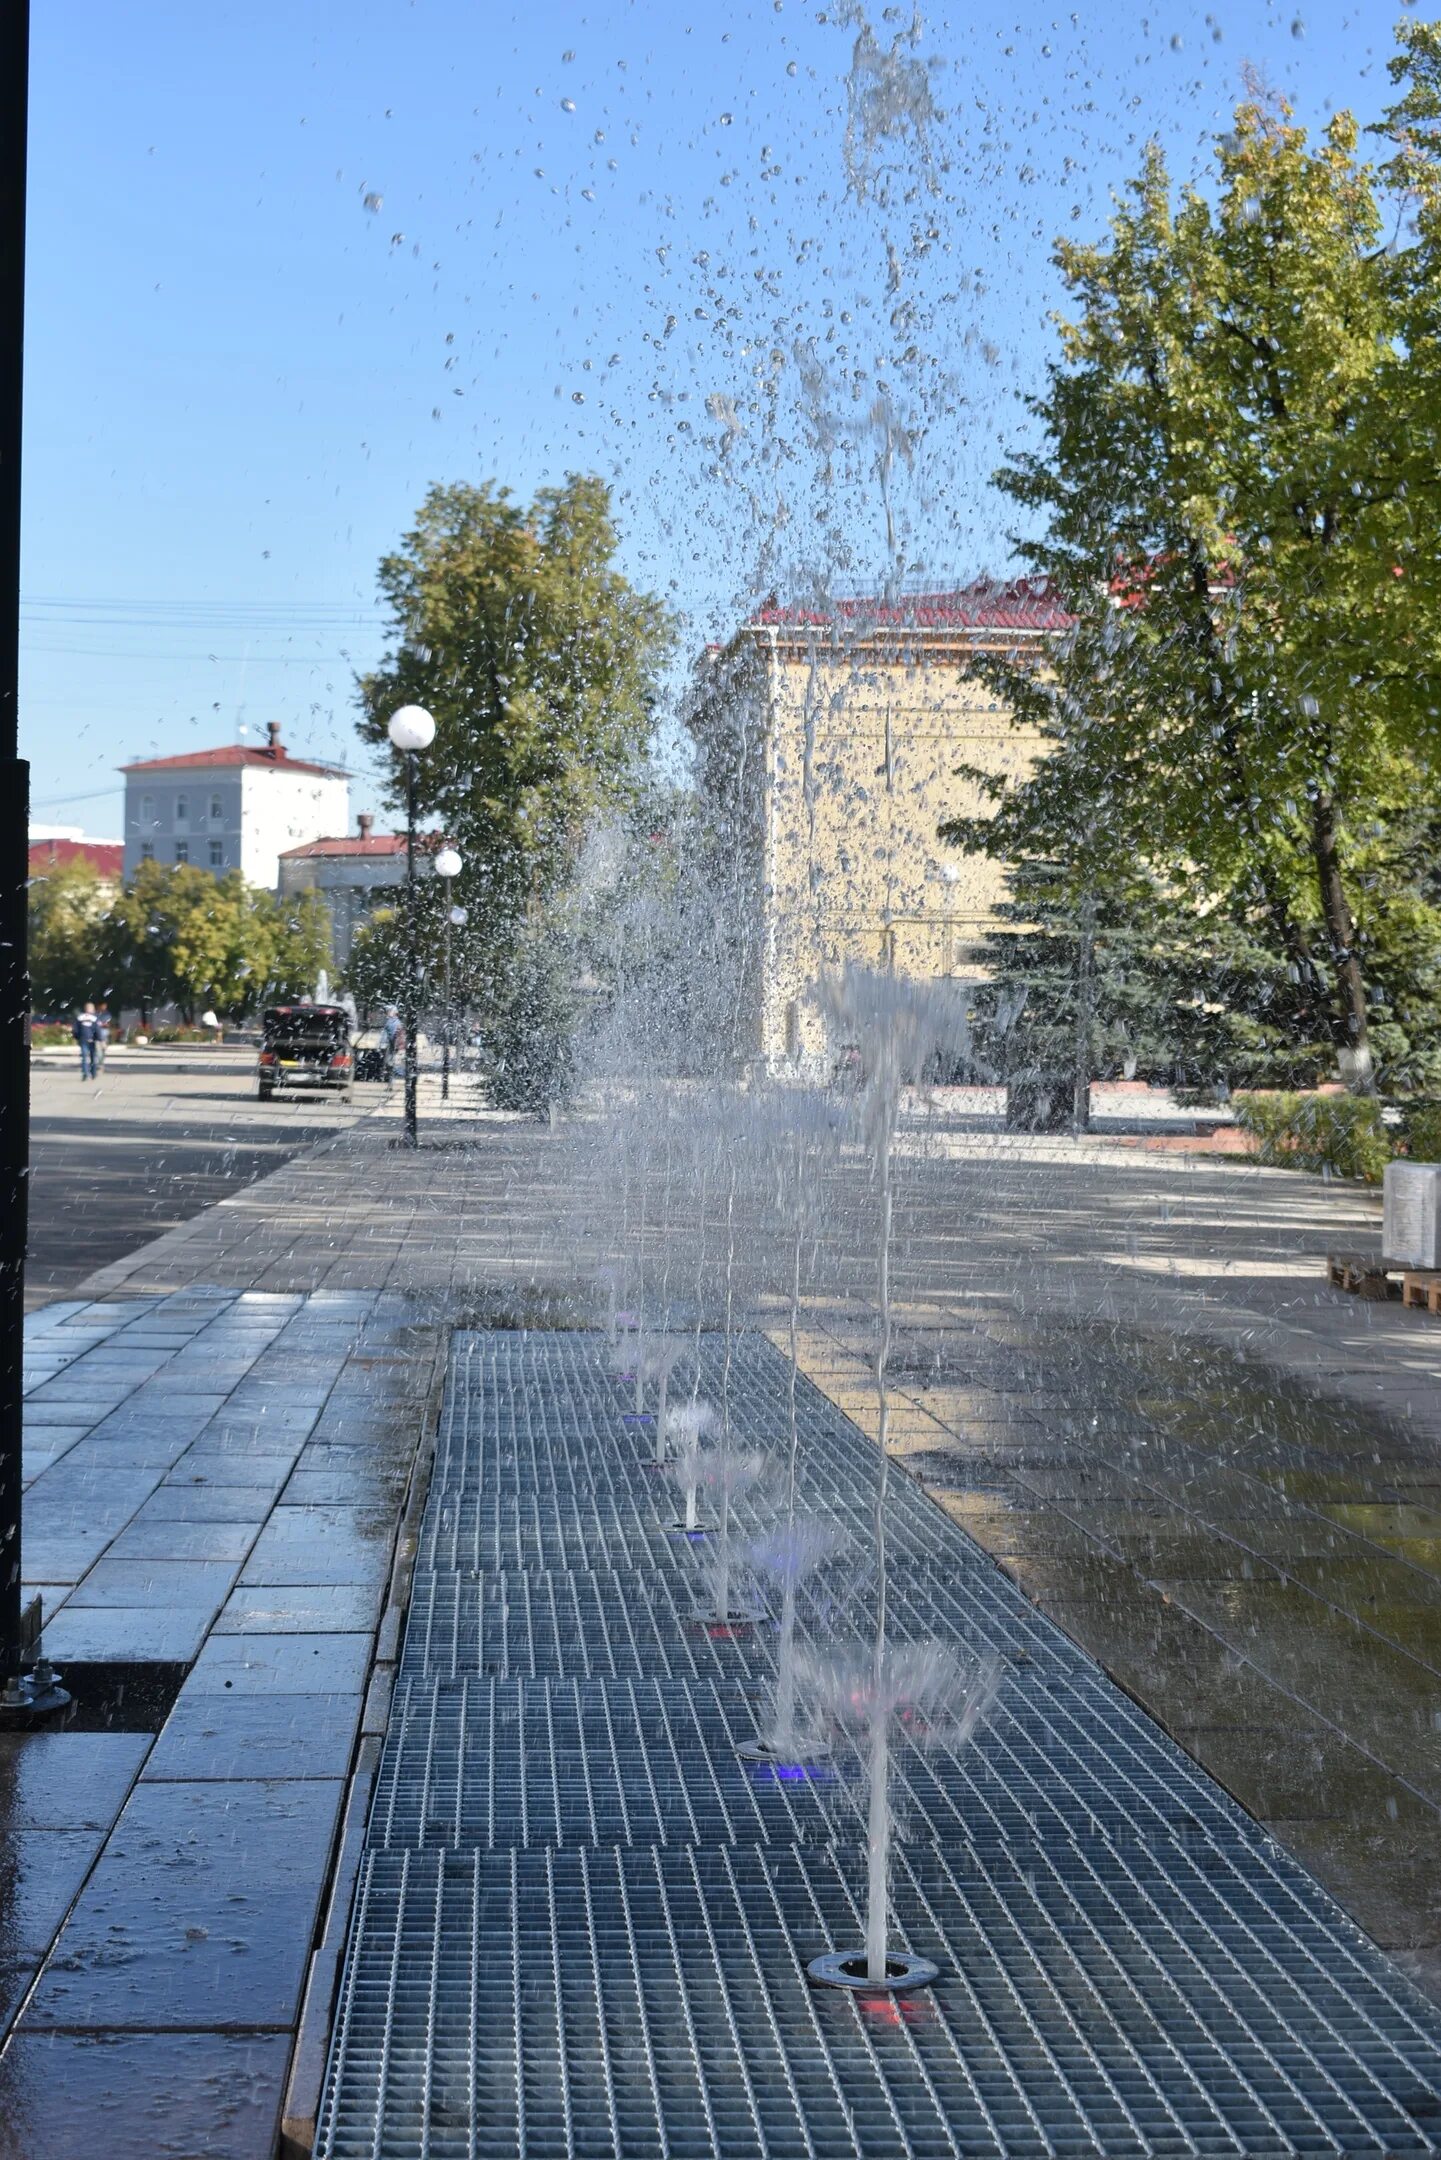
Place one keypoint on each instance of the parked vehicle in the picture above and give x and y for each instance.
(305, 1046)
(369, 1052)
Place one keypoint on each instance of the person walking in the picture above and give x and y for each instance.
(103, 1039)
(86, 1030)
(392, 1039)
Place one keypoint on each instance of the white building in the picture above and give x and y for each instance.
(355, 873)
(234, 808)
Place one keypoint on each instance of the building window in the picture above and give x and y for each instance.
(217, 812)
(182, 851)
(182, 809)
(147, 809)
(217, 854)
(147, 851)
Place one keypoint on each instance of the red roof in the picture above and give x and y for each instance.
(235, 754)
(352, 844)
(1027, 603)
(105, 857)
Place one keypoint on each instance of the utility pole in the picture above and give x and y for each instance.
(23, 1693)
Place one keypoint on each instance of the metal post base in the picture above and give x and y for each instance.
(804, 1751)
(29, 1696)
(847, 1969)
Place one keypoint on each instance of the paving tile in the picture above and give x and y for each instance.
(41, 1872)
(218, 1466)
(199, 1912)
(67, 1780)
(144, 1583)
(196, 1500)
(323, 1545)
(110, 1634)
(60, 1559)
(255, 1736)
(281, 1664)
(301, 1609)
(360, 1486)
(157, 1536)
(142, 2096)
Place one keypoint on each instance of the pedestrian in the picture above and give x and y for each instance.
(102, 1043)
(86, 1031)
(392, 1037)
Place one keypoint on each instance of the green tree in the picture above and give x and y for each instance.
(538, 660)
(68, 938)
(1249, 685)
(177, 935)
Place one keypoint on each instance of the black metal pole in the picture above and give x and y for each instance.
(14, 823)
(445, 1047)
(412, 969)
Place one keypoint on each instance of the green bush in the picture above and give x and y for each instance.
(1343, 1134)
(1421, 1131)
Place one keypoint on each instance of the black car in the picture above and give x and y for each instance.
(305, 1046)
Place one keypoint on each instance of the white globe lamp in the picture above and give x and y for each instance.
(411, 728)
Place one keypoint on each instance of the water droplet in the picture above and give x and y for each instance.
(567, 104)
(725, 119)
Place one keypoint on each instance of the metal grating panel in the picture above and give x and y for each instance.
(583, 1923)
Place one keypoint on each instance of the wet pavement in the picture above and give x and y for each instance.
(1260, 1569)
(163, 1888)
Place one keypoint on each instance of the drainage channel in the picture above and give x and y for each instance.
(583, 1921)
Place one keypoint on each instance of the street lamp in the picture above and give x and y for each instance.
(411, 730)
(447, 865)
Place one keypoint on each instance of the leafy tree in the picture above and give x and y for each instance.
(67, 938)
(1250, 685)
(538, 660)
(177, 935)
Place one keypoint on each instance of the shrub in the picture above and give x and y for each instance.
(1342, 1134)
(1421, 1131)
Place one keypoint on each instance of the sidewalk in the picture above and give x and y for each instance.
(1091, 1355)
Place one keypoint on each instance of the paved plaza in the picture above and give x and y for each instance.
(116, 1162)
(1123, 1374)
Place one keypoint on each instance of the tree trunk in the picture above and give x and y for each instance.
(1085, 1012)
(1353, 1037)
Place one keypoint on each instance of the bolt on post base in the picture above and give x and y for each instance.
(29, 1696)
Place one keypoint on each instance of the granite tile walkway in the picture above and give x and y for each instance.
(215, 1482)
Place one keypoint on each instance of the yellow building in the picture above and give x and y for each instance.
(829, 747)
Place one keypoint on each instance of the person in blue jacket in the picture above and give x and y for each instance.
(86, 1030)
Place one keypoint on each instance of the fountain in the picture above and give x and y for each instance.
(788, 1555)
(685, 1429)
(917, 1691)
(898, 1028)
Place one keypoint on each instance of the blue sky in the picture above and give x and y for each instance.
(290, 264)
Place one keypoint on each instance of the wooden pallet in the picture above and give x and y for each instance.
(1421, 1288)
(1363, 1275)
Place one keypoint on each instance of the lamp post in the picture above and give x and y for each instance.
(447, 865)
(411, 730)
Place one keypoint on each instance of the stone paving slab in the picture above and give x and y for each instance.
(167, 1887)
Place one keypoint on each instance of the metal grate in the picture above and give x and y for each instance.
(583, 1922)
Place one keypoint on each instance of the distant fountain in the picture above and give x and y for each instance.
(662, 1355)
(788, 1555)
(685, 1431)
(919, 1692)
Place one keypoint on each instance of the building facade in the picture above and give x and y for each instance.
(353, 873)
(830, 747)
(233, 808)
